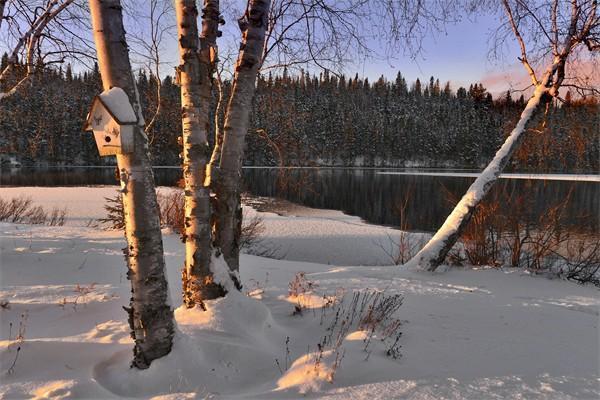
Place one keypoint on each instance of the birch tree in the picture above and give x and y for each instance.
(561, 32)
(197, 63)
(150, 313)
(227, 186)
(325, 34)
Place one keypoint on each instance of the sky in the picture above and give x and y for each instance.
(459, 55)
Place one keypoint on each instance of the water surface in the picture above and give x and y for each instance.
(379, 196)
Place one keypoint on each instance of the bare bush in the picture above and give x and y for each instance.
(171, 205)
(252, 229)
(481, 239)
(542, 245)
(300, 285)
(374, 312)
(13, 210)
(580, 260)
(300, 289)
(20, 210)
(57, 217)
(172, 210)
(405, 247)
(371, 311)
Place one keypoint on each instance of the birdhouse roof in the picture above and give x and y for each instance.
(117, 104)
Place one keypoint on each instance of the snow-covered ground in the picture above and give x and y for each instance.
(474, 334)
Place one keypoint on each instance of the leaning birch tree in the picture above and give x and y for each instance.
(197, 63)
(559, 32)
(150, 313)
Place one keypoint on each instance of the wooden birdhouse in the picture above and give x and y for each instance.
(113, 120)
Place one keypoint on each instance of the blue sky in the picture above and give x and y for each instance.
(458, 55)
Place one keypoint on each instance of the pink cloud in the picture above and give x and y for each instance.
(514, 77)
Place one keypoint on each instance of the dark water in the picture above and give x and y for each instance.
(374, 197)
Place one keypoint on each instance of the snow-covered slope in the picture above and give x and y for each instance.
(303, 234)
(473, 334)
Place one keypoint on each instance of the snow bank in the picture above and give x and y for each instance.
(331, 236)
(467, 334)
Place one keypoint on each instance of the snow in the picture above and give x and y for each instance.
(332, 236)
(546, 177)
(116, 100)
(467, 334)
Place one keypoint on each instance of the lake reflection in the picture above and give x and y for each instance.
(371, 196)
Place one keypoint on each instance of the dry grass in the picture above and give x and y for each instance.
(542, 246)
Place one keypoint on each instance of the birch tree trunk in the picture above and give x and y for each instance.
(228, 184)
(435, 251)
(195, 78)
(150, 313)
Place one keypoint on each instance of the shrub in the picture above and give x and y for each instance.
(543, 245)
(172, 210)
(171, 206)
(20, 210)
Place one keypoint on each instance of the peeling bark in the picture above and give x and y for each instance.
(195, 71)
(150, 313)
(228, 184)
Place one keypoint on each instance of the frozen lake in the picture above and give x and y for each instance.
(374, 194)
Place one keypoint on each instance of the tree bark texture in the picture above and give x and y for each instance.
(197, 58)
(150, 313)
(229, 181)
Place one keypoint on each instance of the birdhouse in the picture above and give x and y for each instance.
(112, 119)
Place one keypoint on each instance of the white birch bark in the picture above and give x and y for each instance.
(197, 60)
(150, 313)
(229, 181)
